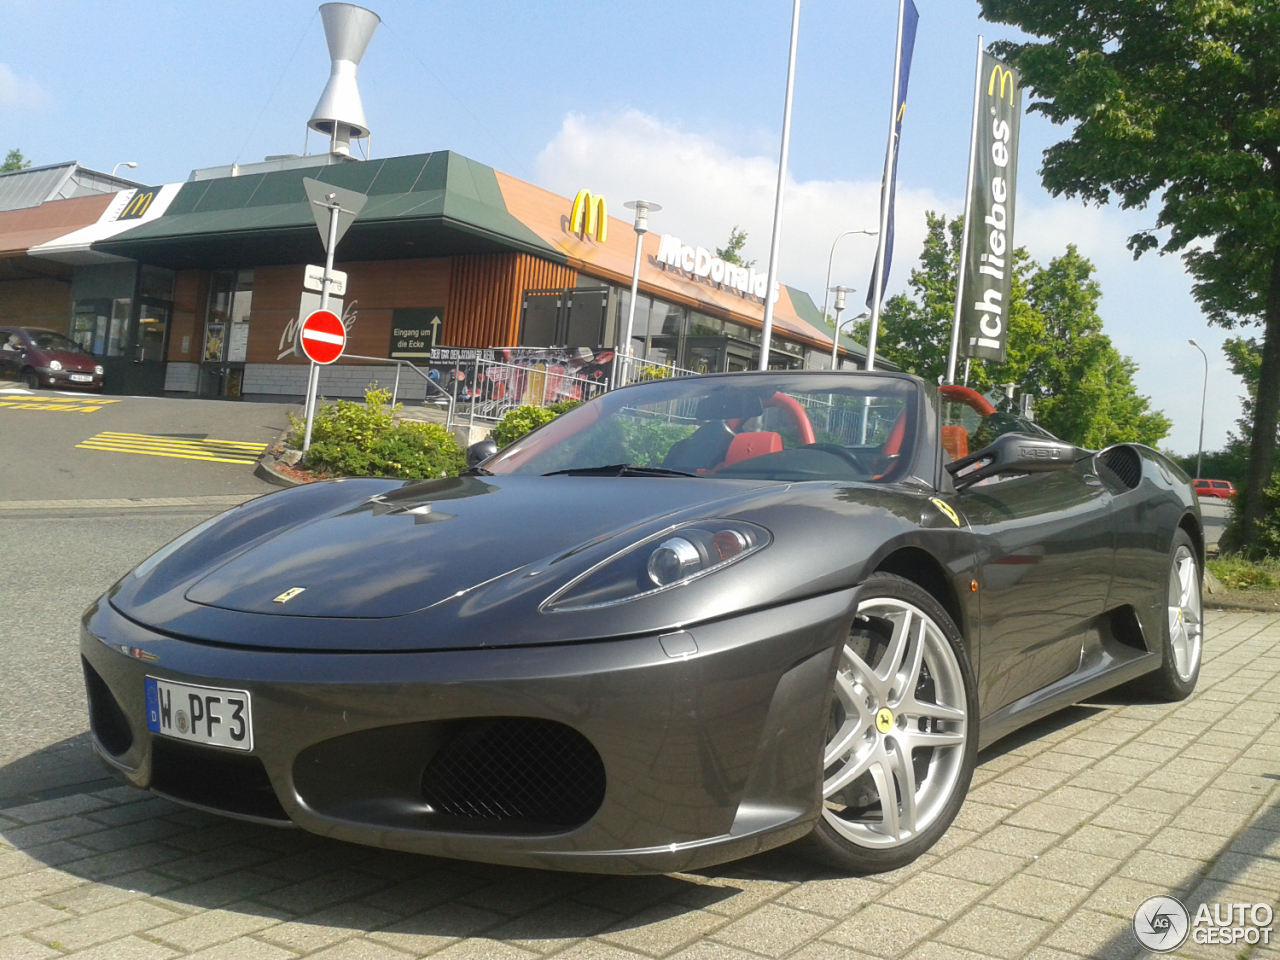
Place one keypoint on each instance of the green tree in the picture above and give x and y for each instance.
(14, 161)
(731, 252)
(1082, 386)
(1176, 98)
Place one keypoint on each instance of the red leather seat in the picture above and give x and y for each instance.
(747, 445)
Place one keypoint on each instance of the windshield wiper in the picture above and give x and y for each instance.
(476, 471)
(619, 470)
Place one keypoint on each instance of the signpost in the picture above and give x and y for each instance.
(323, 337)
(414, 332)
(334, 208)
(313, 279)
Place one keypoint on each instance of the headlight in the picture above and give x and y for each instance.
(55, 365)
(149, 564)
(98, 370)
(670, 559)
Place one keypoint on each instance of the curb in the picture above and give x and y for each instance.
(267, 469)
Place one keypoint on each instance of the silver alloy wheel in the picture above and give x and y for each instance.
(1186, 623)
(872, 793)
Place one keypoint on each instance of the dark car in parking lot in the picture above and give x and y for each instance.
(37, 358)
(687, 621)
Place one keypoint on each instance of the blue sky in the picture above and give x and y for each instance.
(676, 102)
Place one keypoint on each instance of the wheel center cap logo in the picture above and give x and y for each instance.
(884, 719)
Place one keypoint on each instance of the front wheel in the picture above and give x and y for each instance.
(30, 380)
(1183, 634)
(902, 732)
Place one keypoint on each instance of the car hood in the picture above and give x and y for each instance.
(75, 362)
(394, 553)
(469, 562)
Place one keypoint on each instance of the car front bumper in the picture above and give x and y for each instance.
(61, 379)
(708, 755)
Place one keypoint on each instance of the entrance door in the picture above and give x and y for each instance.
(226, 334)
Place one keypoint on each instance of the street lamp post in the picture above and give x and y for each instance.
(826, 296)
(766, 342)
(642, 208)
(835, 337)
(124, 163)
(1204, 393)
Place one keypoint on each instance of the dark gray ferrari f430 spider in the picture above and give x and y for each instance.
(687, 621)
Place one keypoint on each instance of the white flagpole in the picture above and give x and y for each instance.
(885, 193)
(964, 242)
(776, 241)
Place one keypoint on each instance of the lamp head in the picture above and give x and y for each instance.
(642, 208)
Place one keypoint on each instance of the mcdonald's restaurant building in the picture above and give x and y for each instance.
(197, 288)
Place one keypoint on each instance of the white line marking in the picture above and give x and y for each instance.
(326, 337)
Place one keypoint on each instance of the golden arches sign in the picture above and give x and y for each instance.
(589, 215)
(1006, 79)
(138, 205)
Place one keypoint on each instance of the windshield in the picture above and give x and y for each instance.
(774, 426)
(51, 342)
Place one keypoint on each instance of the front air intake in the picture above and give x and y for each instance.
(535, 772)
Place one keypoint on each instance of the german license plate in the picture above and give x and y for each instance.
(81, 378)
(210, 715)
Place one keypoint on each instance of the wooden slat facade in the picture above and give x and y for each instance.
(485, 293)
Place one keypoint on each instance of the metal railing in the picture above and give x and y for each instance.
(629, 369)
(493, 388)
(431, 384)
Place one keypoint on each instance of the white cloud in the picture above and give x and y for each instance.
(706, 189)
(20, 92)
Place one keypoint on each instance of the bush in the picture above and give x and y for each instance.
(1237, 573)
(364, 440)
(521, 420)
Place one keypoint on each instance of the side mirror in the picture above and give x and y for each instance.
(479, 452)
(1013, 453)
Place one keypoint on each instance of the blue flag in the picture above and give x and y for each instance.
(910, 20)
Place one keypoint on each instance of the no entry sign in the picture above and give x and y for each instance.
(323, 336)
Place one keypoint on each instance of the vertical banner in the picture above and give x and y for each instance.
(987, 273)
(910, 21)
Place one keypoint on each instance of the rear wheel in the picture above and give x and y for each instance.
(1183, 634)
(902, 732)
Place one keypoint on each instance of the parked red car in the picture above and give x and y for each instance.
(1215, 488)
(42, 358)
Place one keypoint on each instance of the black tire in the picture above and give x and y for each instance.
(854, 834)
(30, 380)
(1182, 636)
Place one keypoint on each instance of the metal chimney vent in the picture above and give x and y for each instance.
(339, 114)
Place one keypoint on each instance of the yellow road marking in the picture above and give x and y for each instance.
(215, 451)
(180, 441)
(58, 404)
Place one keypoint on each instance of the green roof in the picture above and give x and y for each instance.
(809, 312)
(428, 205)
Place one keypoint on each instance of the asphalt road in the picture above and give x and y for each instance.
(39, 434)
(61, 553)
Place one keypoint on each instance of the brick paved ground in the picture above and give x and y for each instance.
(1064, 833)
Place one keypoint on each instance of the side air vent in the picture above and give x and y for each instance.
(537, 772)
(105, 716)
(1124, 464)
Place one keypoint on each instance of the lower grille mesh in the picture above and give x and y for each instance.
(538, 772)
